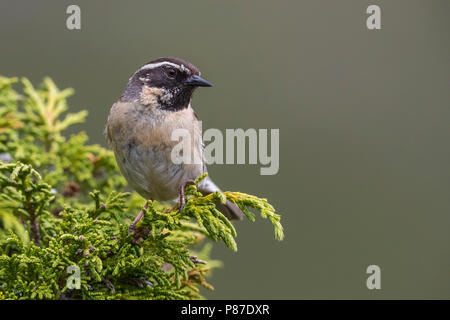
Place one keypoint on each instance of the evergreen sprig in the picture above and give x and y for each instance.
(63, 207)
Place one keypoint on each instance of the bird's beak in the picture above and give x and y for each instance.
(197, 81)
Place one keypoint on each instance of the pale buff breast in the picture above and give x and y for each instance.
(140, 136)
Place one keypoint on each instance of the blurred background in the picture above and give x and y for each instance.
(364, 119)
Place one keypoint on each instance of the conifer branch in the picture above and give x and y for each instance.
(68, 198)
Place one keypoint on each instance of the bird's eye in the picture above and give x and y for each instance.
(171, 73)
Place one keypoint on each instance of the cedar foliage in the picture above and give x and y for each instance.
(63, 206)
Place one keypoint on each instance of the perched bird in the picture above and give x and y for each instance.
(139, 129)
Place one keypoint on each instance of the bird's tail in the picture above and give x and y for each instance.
(228, 209)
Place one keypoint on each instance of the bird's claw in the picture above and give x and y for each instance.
(182, 198)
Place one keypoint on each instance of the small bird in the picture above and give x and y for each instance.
(156, 101)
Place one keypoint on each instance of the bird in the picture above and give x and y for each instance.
(155, 102)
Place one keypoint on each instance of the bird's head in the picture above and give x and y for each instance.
(166, 83)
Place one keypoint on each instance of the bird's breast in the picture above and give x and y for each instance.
(142, 143)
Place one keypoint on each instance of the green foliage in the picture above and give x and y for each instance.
(62, 204)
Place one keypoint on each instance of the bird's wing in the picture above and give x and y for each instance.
(207, 186)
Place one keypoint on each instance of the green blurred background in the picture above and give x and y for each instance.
(364, 119)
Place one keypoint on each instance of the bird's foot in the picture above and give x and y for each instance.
(137, 219)
(182, 198)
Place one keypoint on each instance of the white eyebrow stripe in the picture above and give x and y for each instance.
(158, 64)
